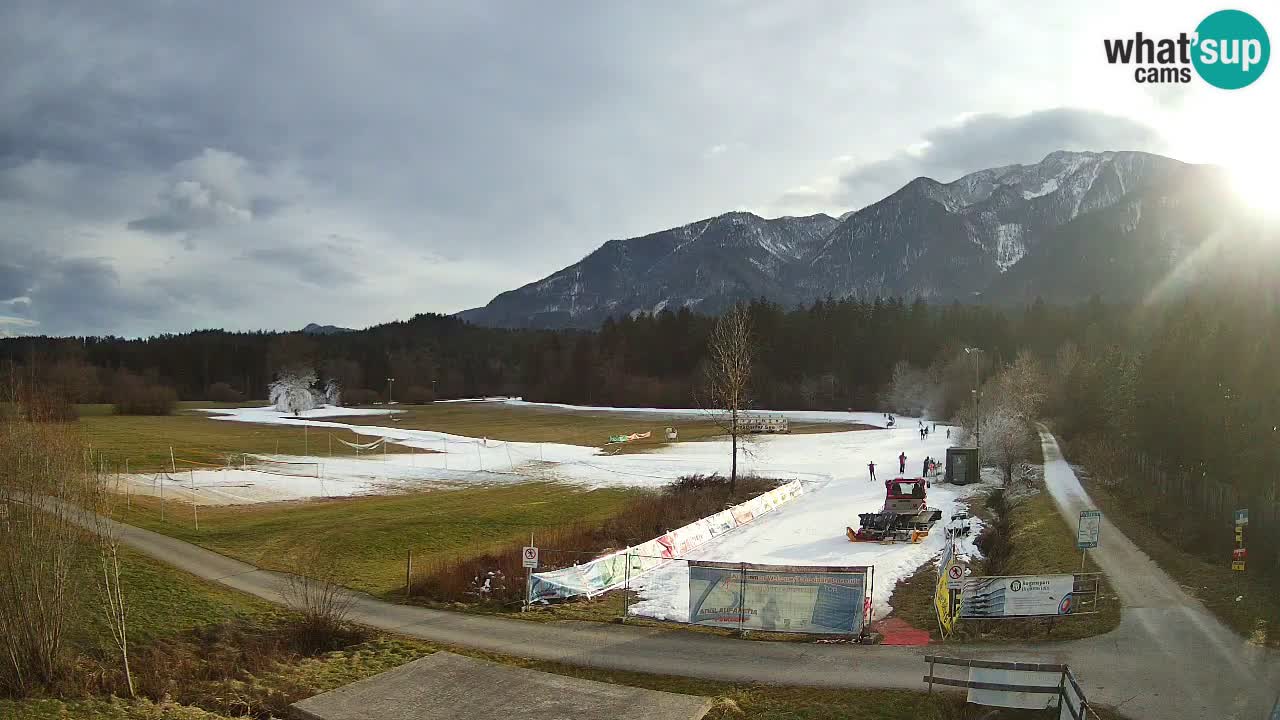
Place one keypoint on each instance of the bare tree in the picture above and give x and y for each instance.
(1006, 439)
(1024, 386)
(727, 376)
(114, 608)
(911, 391)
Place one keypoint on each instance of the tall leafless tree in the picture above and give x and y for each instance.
(114, 609)
(726, 382)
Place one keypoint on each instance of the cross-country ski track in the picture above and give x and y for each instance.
(1168, 659)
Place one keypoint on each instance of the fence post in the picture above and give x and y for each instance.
(742, 594)
(626, 585)
(930, 674)
(408, 573)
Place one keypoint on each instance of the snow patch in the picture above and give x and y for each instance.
(1010, 247)
(1049, 186)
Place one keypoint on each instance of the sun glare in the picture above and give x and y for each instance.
(1255, 186)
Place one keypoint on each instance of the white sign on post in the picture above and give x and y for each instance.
(530, 558)
(1090, 529)
(1017, 596)
(955, 577)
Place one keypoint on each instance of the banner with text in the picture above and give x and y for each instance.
(1020, 596)
(779, 598)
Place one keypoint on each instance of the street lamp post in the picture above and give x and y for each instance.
(389, 381)
(434, 397)
(977, 424)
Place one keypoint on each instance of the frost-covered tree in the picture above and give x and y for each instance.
(332, 392)
(912, 391)
(292, 392)
(1006, 439)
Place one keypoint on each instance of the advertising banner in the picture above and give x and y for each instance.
(778, 598)
(942, 590)
(1020, 596)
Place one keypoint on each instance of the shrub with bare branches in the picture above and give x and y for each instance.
(314, 592)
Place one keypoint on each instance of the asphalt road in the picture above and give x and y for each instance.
(1168, 659)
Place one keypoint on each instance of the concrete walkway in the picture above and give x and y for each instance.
(1168, 659)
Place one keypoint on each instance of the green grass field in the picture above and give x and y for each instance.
(144, 440)
(538, 424)
(367, 537)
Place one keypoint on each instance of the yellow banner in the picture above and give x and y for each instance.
(942, 594)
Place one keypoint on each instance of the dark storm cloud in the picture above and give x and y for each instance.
(991, 140)
(13, 281)
(65, 295)
(168, 161)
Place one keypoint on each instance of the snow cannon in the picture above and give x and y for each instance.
(905, 517)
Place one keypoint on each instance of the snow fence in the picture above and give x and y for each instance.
(610, 572)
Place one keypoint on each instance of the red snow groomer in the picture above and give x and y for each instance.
(905, 517)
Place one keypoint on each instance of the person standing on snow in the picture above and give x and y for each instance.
(924, 472)
(902, 462)
(871, 468)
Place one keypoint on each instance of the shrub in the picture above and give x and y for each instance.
(134, 395)
(223, 392)
(43, 406)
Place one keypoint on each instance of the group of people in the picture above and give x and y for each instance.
(931, 466)
(924, 430)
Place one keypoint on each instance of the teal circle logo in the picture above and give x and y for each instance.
(1232, 49)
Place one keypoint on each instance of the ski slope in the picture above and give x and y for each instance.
(810, 530)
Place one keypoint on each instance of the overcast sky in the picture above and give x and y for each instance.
(169, 166)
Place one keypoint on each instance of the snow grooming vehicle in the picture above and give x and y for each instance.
(905, 516)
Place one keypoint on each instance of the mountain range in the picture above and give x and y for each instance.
(1074, 225)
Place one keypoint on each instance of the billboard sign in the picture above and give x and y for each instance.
(1089, 530)
(1017, 596)
(778, 598)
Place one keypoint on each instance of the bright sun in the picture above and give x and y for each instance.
(1256, 187)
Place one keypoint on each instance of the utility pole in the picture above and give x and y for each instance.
(977, 422)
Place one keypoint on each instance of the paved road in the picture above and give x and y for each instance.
(1168, 658)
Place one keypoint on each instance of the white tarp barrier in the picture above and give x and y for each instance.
(610, 572)
(779, 598)
(1005, 698)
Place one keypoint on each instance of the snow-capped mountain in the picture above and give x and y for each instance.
(936, 240)
(704, 266)
(955, 240)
